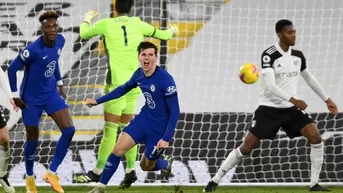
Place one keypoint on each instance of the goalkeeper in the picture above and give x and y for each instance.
(122, 35)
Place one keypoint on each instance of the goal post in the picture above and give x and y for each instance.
(215, 38)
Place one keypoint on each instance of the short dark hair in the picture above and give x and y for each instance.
(281, 24)
(123, 6)
(47, 15)
(146, 45)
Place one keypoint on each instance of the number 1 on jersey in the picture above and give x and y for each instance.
(125, 34)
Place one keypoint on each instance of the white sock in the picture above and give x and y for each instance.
(4, 160)
(128, 170)
(233, 159)
(317, 153)
(97, 171)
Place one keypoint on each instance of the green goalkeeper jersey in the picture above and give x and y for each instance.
(122, 35)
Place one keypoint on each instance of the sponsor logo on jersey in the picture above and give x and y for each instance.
(286, 74)
(170, 90)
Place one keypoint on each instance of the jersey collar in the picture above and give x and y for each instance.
(279, 49)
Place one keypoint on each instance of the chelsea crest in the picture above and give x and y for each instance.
(152, 88)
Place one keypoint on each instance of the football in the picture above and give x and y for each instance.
(249, 73)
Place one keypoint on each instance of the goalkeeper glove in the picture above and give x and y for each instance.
(174, 29)
(89, 16)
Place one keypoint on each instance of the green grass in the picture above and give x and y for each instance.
(186, 189)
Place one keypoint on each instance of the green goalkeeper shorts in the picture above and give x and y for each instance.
(123, 105)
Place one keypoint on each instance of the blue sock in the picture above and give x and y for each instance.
(160, 164)
(62, 147)
(30, 154)
(110, 168)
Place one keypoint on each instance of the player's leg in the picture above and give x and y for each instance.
(128, 138)
(152, 160)
(131, 155)
(4, 154)
(31, 118)
(112, 114)
(301, 124)
(265, 125)
(58, 110)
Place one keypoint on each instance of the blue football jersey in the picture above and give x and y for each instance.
(161, 110)
(41, 73)
(156, 89)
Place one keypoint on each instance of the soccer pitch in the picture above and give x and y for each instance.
(187, 189)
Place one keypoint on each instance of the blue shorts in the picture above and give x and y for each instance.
(32, 114)
(141, 133)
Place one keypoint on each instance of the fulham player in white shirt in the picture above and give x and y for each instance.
(281, 67)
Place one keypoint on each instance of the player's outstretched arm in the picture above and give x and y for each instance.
(317, 88)
(114, 94)
(151, 31)
(86, 30)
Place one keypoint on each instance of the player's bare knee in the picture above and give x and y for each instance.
(245, 150)
(4, 139)
(32, 133)
(146, 166)
(311, 133)
(314, 139)
(119, 151)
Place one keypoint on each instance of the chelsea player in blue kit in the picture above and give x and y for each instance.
(154, 125)
(42, 89)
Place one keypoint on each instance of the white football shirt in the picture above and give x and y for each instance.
(286, 67)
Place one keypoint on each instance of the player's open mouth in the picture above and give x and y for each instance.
(146, 63)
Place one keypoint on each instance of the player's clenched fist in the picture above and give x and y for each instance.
(19, 103)
(90, 102)
(89, 16)
(332, 106)
(15, 108)
(298, 103)
(162, 144)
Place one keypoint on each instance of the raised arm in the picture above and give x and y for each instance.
(118, 92)
(151, 31)
(87, 31)
(174, 110)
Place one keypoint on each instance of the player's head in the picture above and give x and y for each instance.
(147, 55)
(123, 6)
(49, 25)
(286, 32)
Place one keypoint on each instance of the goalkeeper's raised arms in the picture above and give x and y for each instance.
(89, 16)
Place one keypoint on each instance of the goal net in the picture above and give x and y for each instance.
(216, 37)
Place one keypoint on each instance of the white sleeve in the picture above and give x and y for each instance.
(313, 83)
(269, 79)
(4, 83)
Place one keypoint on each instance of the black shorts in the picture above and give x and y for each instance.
(3, 120)
(268, 120)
